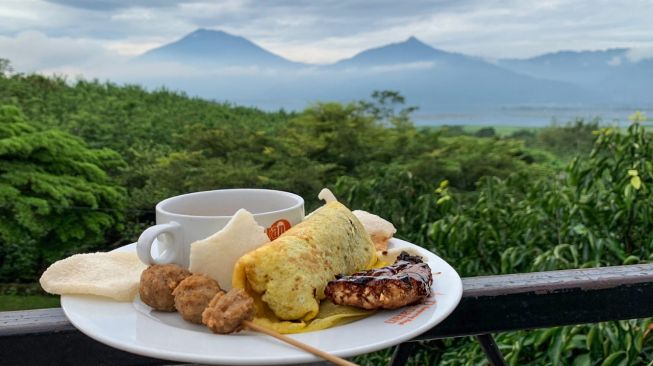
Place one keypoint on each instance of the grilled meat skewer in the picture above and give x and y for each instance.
(405, 282)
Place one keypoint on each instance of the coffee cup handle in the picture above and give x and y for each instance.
(173, 254)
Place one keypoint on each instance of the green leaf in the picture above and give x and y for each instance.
(545, 335)
(555, 351)
(442, 200)
(613, 358)
(631, 259)
(628, 191)
(580, 229)
(637, 117)
(636, 182)
(591, 337)
(582, 360)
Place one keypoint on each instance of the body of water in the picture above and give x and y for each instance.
(525, 116)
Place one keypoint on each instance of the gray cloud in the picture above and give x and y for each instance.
(44, 53)
(103, 5)
(327, 30)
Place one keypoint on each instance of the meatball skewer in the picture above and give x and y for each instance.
(233, 311)
(157, 284)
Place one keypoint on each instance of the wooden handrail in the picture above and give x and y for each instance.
(494, 304)
(490, 304)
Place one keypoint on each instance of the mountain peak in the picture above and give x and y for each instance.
(203, 33)
(414, 40)
(408, 51)
(208, 46)
(203, 30)
(411, 42)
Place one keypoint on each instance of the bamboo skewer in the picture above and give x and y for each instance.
(329, 357)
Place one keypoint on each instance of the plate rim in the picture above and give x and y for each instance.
(165, 354)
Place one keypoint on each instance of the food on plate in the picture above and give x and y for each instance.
(380, 230)
(289, 274)
(390, 255)
(216, 255)
(193, 294)
(227, 311)
(405, 282)
(277, 285)
(115, 275)
(157, 283)
(233, 311)
(326, 195)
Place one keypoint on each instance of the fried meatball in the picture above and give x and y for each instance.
(193, 294)
(226, 312)
(158, 282)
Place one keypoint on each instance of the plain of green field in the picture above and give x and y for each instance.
(28, 302)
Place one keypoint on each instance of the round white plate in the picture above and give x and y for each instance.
(133, 327)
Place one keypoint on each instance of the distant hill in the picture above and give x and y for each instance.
(216, 48)
(409, 51)
(427, 76)
(581, 67)
(611, 72)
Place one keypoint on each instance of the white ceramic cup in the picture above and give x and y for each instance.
(182, 220)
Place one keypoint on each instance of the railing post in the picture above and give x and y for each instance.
(491, 350)
(402, 353)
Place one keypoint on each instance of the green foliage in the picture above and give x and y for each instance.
(559, 197)
(566, 141)
(28, 302)
(594, 212)
(53, 193)
(486, 132)
(384, 107)
(5, 67)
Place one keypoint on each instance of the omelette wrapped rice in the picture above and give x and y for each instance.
(288, 275)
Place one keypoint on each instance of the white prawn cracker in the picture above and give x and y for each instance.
(217, 255)
(380, 230)
(115, 275)
(326, 195)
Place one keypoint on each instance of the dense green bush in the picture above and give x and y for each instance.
(55, 196)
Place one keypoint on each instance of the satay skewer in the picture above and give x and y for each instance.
(327, 356)
(234, 310)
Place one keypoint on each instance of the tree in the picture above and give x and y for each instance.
(55, 196)
(383, 107)
(333, 133)
(5, 66)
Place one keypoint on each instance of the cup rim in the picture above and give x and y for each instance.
(299, 202)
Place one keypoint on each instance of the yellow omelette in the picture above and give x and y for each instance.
(287, 276)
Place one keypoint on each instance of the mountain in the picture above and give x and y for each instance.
(611, 72)
(216, 48)
(411, 50)
(432, 76)
(581, 67)
(427, 76)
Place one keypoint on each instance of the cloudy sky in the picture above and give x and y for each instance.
(38, 35)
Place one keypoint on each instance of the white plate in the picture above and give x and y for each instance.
(133, 327)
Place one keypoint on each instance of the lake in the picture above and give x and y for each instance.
(524, 115)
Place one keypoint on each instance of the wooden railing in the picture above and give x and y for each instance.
(490, 304)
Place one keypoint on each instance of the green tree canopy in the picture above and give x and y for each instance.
(55, 194)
